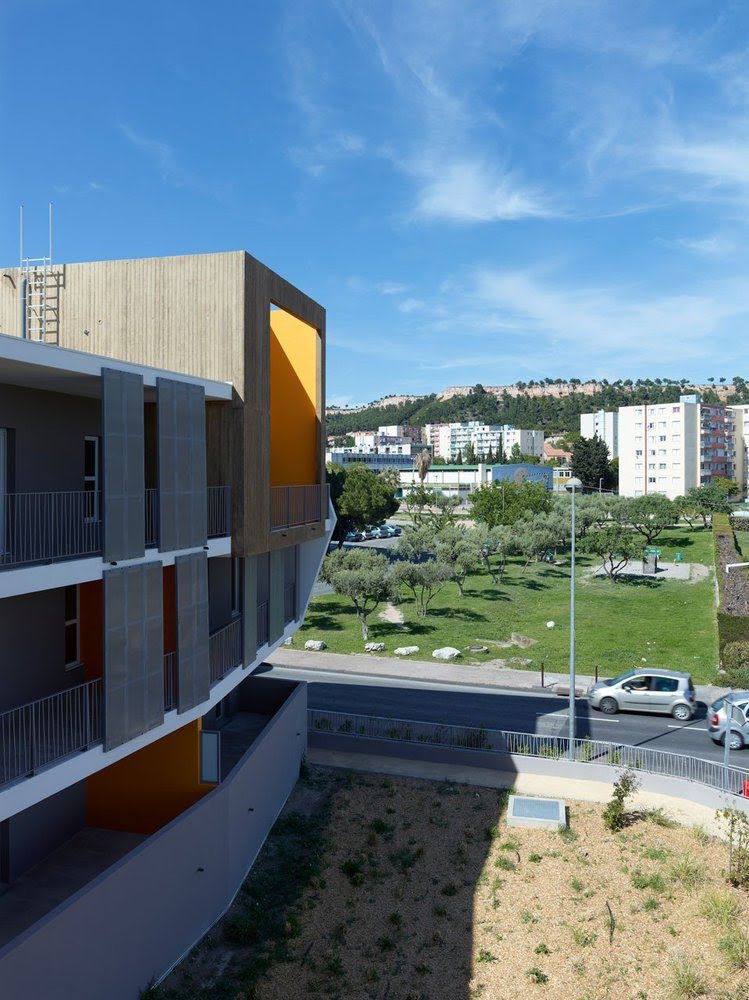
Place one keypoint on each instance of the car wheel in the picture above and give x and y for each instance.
(735, 741)
(609, 706)
(681, 713)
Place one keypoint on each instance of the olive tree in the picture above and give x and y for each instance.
(495, 545)
(424, 580)
(648, 515)
(616, 545)
(458, 548)
(361, 575)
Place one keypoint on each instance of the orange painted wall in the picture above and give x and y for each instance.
(149, 788)
(294, 423)
(90, 609)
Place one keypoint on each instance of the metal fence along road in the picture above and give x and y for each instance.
(587, 751)
(49, 729)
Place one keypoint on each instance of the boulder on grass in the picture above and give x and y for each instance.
(316, 645)
(446, 653)
(374, 647)
(289, 640)
(405, 650)
(478, 649)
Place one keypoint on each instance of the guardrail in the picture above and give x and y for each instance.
(219, 511)
(44, 527)
(586, 751)
(225, 649)
(292, 506)
(49, 729)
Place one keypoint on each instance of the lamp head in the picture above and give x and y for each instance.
(573, 484)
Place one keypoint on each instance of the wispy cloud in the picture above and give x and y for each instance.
(164, 158)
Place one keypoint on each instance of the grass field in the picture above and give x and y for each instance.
(620, 625)
(372, 888)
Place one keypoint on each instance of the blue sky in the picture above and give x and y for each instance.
(476, 191)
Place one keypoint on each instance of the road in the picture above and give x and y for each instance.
(521, 711)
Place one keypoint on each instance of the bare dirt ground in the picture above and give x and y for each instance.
(398, 889)
(390, 613)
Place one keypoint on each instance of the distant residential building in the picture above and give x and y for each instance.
(460, 480)
(552, 453)
(670, 448)
(376, 460)
(603, 424)
(389, 440)
(449, 440)
(741, 418)
(411, 432)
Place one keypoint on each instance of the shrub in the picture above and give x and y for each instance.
(650, 880)
(615, 816)
(719, 907)
(689, 873)
(688, 984)
(486, 956)
(542, 949)
(582, 937)
(505, 863)
(537, 976)
(735, 660)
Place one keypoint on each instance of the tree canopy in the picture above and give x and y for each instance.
(360, 497)
(361, 575)
(505, 502)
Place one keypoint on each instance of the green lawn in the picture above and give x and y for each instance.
(670, 624)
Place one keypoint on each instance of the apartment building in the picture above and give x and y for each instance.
(603, 424)
(447, 440)
(670, 448)
(741, 422)
(460, 480)
(163, 515)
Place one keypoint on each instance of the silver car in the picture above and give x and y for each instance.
(650, 690)
(716, 720)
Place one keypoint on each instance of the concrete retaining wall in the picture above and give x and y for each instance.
(514, 764)
(144, 913)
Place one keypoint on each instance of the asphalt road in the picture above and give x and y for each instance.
(520, 711)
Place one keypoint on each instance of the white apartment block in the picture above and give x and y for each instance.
(670, 448)
(741, 414)
(447, 440)
(603, 424)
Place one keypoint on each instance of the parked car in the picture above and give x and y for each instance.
(385, 531)
(369, 531)
(395, 530)
(354, 536)
(716, 720)
(667, 691)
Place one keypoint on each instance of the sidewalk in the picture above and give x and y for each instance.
(407, 669)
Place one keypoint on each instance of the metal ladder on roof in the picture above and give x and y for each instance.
(41, 283)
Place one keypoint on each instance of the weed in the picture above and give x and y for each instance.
(354, 869)
(510, 844)
(537, 976)
(395, 919)
(719, 908)
(735, 949)
(449, 889)
(659, 818)
(440, 911)
(700, 834)
(690, 874)
(528, 918)
(576, 885)
(542, 949)
(405, 859)
(380, 826)
(535, 858)
(505, 863)
(386, 943)
(651, 904)
(334, 965)
(492, 832)
(687, 983)
(422, 969)
(649, 880)
(485, 956)
(567, 835)
(583, 938)
(655, 853)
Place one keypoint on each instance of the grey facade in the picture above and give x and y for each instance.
(191, 573)
(181, 438)
(124, 465)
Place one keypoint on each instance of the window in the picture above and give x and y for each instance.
(651, 479)
(91, 484)
(236, 587)
(638, 453)
(676, 409)
(665, 684)
(72, 629)
(661, 437)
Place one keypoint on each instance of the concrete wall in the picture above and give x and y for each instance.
(49, 428)
(32, 640)
(138, 918)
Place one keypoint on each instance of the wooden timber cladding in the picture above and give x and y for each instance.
(201, 314)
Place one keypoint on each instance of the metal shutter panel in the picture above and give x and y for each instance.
(123, 465)
(133, 652)
(193, 661)
(183, 495)
(276, 622)
(249, 610)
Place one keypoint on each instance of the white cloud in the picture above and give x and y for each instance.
(473, 191)
(164, 159)
(391, 288)
(411, 306)
(716, 245)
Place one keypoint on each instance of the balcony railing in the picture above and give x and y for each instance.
(292, 506)
(152, 518)
(170, 681)
(44, 731)
(43, 527)
(219, 511)
(225, 649)
(263, 624)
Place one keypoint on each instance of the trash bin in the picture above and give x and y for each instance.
(745, 788)
(678, 557)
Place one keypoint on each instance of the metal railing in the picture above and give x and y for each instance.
(263, 624)
(225, 649)
(170, 682)
(292, 506)
(672, 765)
(152, 517)
(49, 729)
(219, 511)
(44, 527)
(289, 603)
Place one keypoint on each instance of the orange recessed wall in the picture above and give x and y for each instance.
(149, 788)
(294, 420)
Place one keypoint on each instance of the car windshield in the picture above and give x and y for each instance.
(621, 677)
(717, 705)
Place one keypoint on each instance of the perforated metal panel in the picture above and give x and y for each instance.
(133, 652)
(183, 515)
(249, 609)
(193, 662)
(123, 465)
(276, 595)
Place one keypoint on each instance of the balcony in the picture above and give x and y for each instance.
(293, 506)
(55, 526)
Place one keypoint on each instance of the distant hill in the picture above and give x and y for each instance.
(554, 405)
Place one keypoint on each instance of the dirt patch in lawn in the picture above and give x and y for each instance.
(391, 614)
(375, 887)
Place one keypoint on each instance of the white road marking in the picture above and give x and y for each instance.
(689, 729)
(565, 715)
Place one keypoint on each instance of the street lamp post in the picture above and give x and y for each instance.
(572, 485)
